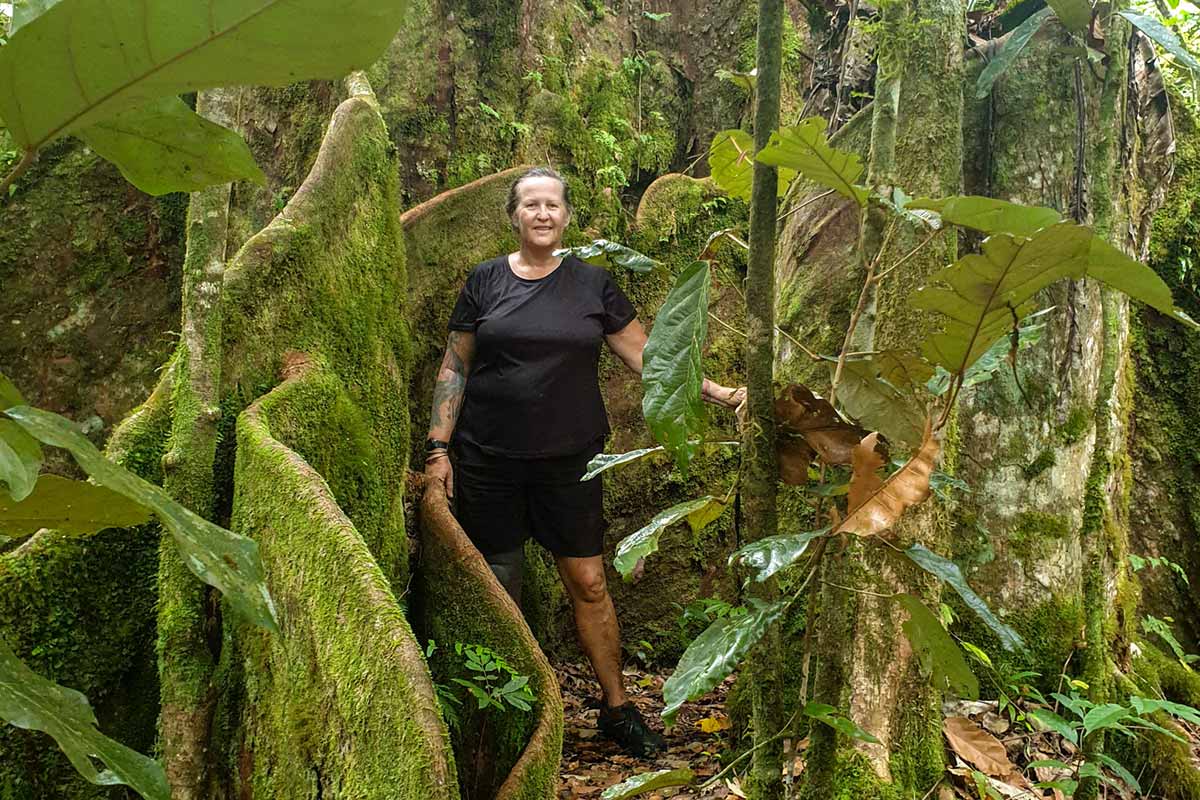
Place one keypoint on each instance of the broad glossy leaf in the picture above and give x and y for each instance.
(1109, 265)
(671, 371)
(1120, 771)
(1145, 706)
(949, 572)
(73, 507)
(981, 294)
(84, 61)
(27, 700)
(220, 558)
(885, 503)
(823, 712)
(1105, 716)
(989, 215)
(799, 412)
(939, 655)
(648, 782)
(767, 556)
(602, 252)
(9, 396)
(20, 460)
(731, 161)
(1075, 15)
(644, 541)
(804, 148)
(1009, 51)
(164, 146)
(26, 11)
(879, 405)
(714, 654)
(606, 461)
(1164, 37)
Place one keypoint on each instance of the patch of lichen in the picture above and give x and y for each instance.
(322, 710)
(80, 611)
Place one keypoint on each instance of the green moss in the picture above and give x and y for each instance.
(1077, 424)
(1032, 532)
(1042, 462)
(1051, 630)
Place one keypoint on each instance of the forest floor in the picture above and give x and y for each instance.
(989, 754)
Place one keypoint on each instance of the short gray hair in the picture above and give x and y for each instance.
(537, 172)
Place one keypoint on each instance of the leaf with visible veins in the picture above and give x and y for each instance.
(886, 503)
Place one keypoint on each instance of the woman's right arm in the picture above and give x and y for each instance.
(448, 391)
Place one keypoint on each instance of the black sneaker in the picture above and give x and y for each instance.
(625, 726)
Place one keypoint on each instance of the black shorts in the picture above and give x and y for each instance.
(501, 501)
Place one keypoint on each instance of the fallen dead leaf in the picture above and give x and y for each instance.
(799, 411)
(978, 747)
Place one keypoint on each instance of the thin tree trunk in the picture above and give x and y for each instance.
(758, 490)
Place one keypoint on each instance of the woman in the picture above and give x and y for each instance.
(518, 393)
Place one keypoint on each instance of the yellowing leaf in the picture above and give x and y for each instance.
(731, 161)
(881, 507)
(644, 541)
(701, 517)
(714, 724)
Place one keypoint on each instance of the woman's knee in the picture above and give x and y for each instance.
(586, 583)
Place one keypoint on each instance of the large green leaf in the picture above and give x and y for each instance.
(805, 149)
(1120, 771)
(823, 712)
(1145, 706)
(9, 396)
(902, 368)
(20, 460)
(985, 368)
(949, 572)
(712, 656)
(878, 405)
(606, 461)
(768, 556)
(731, 162)
(1009, 51)
(981, 294)
(68, 506)
(644, 541)
(1164, 37)
(218, 557)
(164, 146)
(939, 656)
(84, 61)
(27, 700)
(1075, 15)
(989, 215)
(1057, 724)
(648, 782)
(671, 371)
(1103, 717)
(1109, 265)
(602, 252)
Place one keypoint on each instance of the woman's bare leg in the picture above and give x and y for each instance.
(596, 622)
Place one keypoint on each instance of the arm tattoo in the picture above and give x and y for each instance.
(451, 383)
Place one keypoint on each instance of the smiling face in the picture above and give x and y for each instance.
(541, 215)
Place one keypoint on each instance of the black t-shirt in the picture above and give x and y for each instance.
(533, 390)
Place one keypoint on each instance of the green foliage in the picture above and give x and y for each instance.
(988, 215)
(602, 252)
(648, 782)
(767, 556)
(72, 507)
(1162, 628)
(644, 541)
(878, 405)
(830, 716)
(1010, 51)
(1164, 37)
(1138, 564)
(27, 700)
(163, 146)
(20, 459)
(671, 370)
(218, 557)
(1075, 15)
(948, 571)
(743, 80)
(940, 658)
(605, 461)
(714, 654)
(492, 682)
(731, 161)
(25, 11)
(1025, 335)
(46, 94)
(804, 148)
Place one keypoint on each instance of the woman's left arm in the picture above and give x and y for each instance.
(628, 344)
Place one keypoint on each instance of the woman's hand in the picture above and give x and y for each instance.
(437, 468)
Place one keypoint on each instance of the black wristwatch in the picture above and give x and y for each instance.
(436, 444)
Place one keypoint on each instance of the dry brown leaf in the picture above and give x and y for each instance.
(799, 411)
(907, 487)
(865, 480)
(978, 747)
(794, 457)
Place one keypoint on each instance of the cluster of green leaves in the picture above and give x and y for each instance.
(72, 68)
(491, 680)
(1162, 629)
